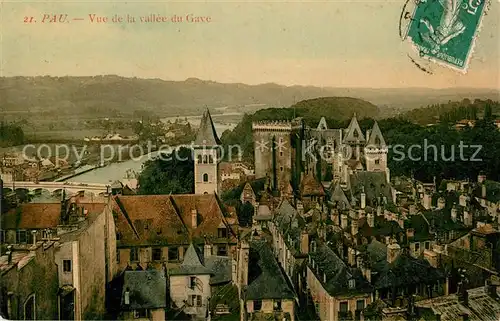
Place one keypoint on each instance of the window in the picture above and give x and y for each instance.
(352, 284)
(192, 282)
(344, 307)
(134, 255)
(377, 162)
(21, 236)
(281, 154)
(277, 305)
(195, 300)
(205, 159)
(29, 308)
(355, 133)
(205, 177)
(199, 159)
(157, 254)
(117, 256)
(281, 168)
(222, 232)
(210, 159)
(417, 247)
(257, 305)
(377, 141)
(427, 245)
(66, 265)
(222, 250)
(360, 305)
(141, 313)
(118, 236)
(173, 253)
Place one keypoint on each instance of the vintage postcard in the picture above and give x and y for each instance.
(250, 160)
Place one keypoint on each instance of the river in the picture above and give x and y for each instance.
(116, 171)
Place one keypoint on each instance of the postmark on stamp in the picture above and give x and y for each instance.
(445, 31)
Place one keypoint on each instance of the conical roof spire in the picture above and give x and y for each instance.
(354, 133)
(207, 135)
(376, 139)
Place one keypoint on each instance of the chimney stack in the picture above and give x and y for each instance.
(363, 200)
(194, 218)
(9, 254)
(304, 243)
(207, 250)
(354, 226)
(441, 203)
(483, 190)
(370, 219)
(393, 251)
(343, 221)
(33, 233)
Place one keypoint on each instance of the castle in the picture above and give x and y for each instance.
(286, 150)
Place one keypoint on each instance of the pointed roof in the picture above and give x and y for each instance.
(191, 257)
(376, 139)
(353, 132)
(310, 186)
(339, 196)
(207, 135)
(192, 263)
(322, 124)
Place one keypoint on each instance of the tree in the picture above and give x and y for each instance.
(170, 173)
(246, 212)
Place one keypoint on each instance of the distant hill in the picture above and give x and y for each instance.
(109, 96)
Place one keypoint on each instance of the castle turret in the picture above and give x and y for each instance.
(376, 151)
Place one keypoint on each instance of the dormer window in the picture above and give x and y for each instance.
(352, 284)
(222, 232)
(377, 141)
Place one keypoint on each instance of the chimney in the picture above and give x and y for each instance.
(426, 201)
(481, 178)
(368, 274)
(33, 233)
(491, 289)
(354, 227)
(454, 213)
(343, 221)
(363, 200)
(300, 208)
(370, 219)
(463, 295)
(379, 210)
(127, 297)
(194, 218)
(304, 243)
(324, 277)
(9, 254)
(244, 258)
(393, 251)
(351, 258)
(467, 218)
(441, 203)
(483, 190)
(207, 250)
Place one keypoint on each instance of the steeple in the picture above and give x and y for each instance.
(353, 132)
(207, 135)
(376, 139)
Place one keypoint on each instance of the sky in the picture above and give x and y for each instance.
(322, 43)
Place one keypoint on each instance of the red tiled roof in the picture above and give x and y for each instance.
(167, 217)
(310, 186)
(32, 216)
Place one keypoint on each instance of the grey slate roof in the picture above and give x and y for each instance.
(147, 290)
(266, 280)
(480, 306)
(374, 134)
(338, 274)
(221, 268)
(339, 196)
(290, 223)
(192, 263)
(374, 184)
(207, 135)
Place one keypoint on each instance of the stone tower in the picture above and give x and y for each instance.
(273, 151)
(376, 151)
(206, 157)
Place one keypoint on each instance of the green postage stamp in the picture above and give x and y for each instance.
(444, 31)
